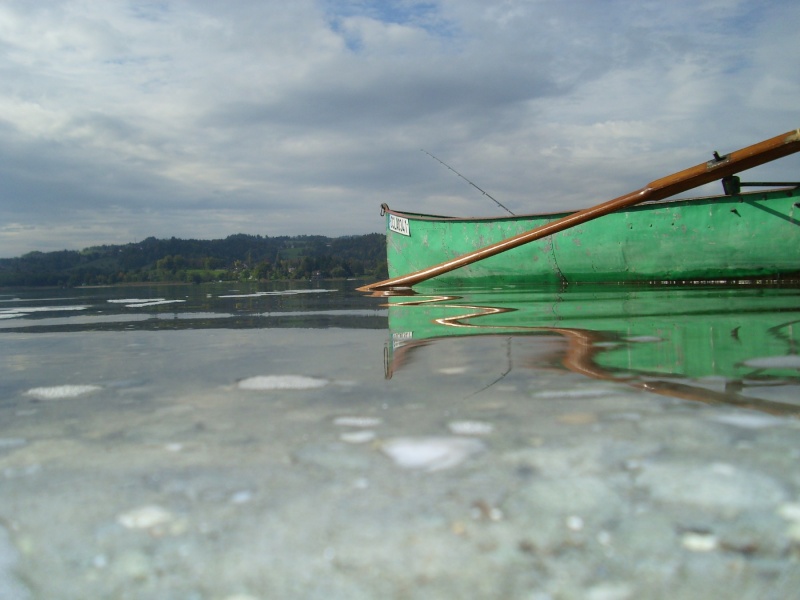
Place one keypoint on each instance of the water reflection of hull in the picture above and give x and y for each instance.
(713, 346)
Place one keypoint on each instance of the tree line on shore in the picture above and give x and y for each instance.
(237, 257)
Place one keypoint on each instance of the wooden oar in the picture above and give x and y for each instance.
(719, 167)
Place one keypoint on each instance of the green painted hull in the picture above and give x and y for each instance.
(747, 236)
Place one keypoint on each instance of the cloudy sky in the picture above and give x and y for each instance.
(121, 120)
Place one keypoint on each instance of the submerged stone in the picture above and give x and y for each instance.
(715, 486)
(431, 453)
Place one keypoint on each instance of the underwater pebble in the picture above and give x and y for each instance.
(358, 437)
(791, 361)
(604, 538)
(335, 456)
(281, 382)
(11, 588)
(574, 523)
(357, 421)
(430, 453)
(790, 511)
(578, 418)
(699, 542)
(610, 591)
(716, 486)
(241, 497)
(133, 565)
(100, 561)
(59, 392)
(470, 427)
(145, 517)
(453, 370)
(482, 510)
(575, 498)
(794, 531)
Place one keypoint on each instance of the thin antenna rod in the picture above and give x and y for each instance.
(485, 193)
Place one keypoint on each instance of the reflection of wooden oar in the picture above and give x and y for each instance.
(721, 166)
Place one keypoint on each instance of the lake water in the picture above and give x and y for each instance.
(302, 440)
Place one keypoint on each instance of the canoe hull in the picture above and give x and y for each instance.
(747, 236)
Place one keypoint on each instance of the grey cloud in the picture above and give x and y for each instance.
(204, 119)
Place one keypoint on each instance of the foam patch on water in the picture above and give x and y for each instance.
(12, 313)
(35, 309)
(60, 392)
(282, 293)
(281, 382)
(791, 361)
(152, 303)
(142, 302)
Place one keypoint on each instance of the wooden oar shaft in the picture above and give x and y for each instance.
(740, 160)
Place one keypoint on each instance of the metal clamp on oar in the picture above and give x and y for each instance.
(732, 184)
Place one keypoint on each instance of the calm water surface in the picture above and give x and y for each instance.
(241, 441)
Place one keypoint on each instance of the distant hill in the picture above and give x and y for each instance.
(237, 257)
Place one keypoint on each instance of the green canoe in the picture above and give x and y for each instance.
(732, 237)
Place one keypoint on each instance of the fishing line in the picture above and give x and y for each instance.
(485, 193)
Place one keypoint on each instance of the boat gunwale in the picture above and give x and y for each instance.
(789, 191)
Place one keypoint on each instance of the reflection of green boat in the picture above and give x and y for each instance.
(673, 341)
(752, 235)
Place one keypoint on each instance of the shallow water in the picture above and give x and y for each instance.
(305, 441)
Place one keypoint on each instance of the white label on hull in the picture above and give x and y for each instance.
(401, 338)
(399, 225)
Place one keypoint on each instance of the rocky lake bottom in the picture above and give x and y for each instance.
(213, 443)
